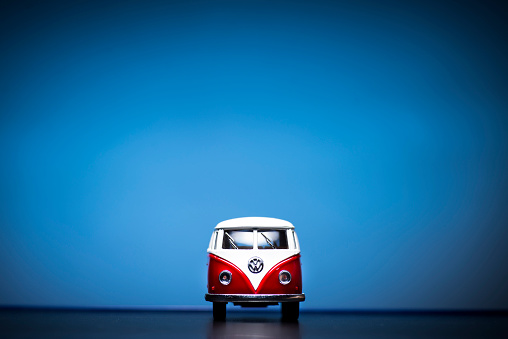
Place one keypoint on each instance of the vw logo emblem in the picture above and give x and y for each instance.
(255, 264)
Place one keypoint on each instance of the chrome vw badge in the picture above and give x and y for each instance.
(255, 264)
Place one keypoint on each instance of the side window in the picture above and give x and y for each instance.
(216, 235)
(272, 239)
(297, 244)
(241, 239)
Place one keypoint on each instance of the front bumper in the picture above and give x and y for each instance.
(255, 298)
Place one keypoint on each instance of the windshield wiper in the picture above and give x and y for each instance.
(268, 240)
(231, 241)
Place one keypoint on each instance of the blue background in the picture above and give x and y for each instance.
(129, 129)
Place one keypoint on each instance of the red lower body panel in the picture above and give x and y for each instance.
(240, 283)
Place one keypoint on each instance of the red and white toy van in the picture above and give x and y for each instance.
(255, 262)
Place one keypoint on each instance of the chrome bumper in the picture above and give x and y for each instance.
(255, 298)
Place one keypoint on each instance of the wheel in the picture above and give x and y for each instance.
(219, 311)
(290, 311)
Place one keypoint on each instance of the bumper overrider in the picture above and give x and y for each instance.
(255, 298)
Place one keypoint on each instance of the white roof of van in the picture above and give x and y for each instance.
(254, 222)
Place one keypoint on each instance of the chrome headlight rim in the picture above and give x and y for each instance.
(228, 274)
(280, 277)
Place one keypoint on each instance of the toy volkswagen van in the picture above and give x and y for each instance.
(255, 262)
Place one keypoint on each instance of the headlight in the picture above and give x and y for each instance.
(225, 277)
(284, 277)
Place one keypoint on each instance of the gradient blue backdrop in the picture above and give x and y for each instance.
(129, 129)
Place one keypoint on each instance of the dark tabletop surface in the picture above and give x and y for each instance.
(244, 323)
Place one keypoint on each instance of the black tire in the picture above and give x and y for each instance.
(290, 311)
(219, 311)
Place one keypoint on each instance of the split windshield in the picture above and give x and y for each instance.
(244, 239)
(272, 239)
(234, 240)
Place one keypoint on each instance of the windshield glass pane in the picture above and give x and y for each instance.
(272, 239)
(241, 239)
